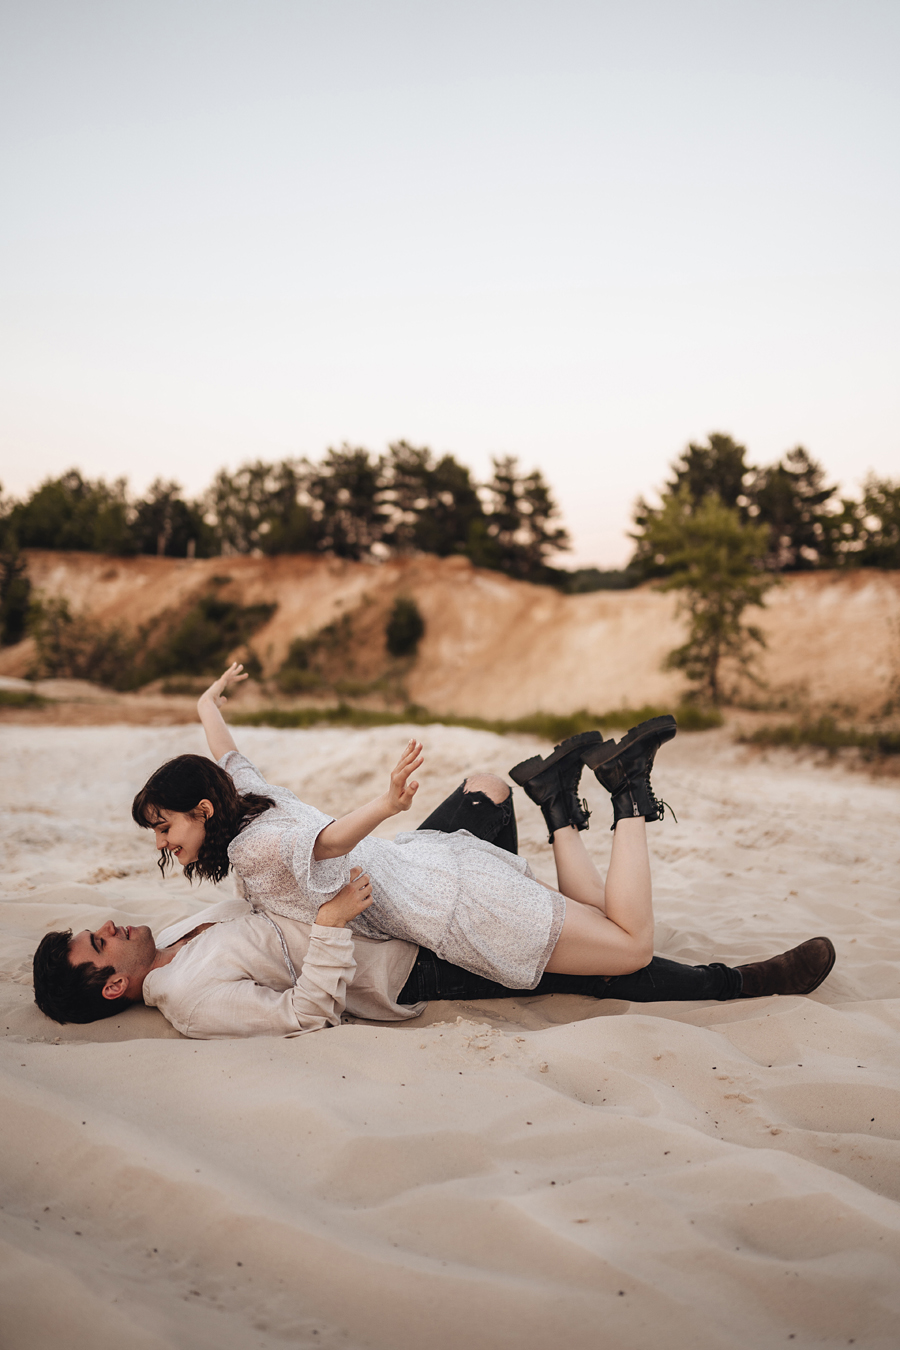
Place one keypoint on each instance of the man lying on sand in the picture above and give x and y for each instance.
(378, 927)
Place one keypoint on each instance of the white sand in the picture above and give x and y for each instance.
(527, 1174)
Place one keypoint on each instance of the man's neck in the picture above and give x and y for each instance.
(166, 954)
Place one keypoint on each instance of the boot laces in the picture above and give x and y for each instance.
(661, 806)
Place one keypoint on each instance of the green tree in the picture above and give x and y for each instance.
(866, 533)
(518, 531)
(345, 494)
(262, 506)
(71, 512)
(719, 468)
(15, 587)
(429, 504)
(790, 498)
(15, 593)
(714, 560)
(165, 524)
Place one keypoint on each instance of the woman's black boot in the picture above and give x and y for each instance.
(552, 783)
(624, 768)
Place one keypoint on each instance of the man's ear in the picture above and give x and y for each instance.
(206, 806)
(115, 986)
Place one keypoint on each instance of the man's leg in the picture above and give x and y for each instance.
(661, 981)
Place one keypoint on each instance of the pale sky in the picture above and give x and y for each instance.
(579, 233)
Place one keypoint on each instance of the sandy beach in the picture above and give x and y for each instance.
(538, 1172)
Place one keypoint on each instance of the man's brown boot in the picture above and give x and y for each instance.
(799, 971)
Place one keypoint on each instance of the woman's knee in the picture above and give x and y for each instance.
(489, 784)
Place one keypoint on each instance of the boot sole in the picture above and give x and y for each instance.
(530, 768)
(660, 729)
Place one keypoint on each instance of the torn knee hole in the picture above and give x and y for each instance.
(490, 785)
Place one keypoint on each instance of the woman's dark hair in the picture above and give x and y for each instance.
(180, 785)
(70, 993)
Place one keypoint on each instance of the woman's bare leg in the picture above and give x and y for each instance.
(576, 874)
(621, 939)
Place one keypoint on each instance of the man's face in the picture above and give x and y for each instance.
(131, 951)
(181, 834)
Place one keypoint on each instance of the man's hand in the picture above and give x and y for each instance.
(350, 900)
(216, 691)
(401, 792)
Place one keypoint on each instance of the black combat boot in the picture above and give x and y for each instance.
(552, 783)
(624, 768)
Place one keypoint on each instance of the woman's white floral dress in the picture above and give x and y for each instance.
(475, 905)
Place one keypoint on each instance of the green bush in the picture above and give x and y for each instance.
(825, 734)
(70, 646)
(295, 675)
(73, 647)
(203, 639)
(20, 698)
(405, 627)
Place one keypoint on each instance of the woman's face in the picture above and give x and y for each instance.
(183, 834)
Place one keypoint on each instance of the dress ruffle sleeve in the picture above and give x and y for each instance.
(323, 876)
(283, 840)
(246, 776)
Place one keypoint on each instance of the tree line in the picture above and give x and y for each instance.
(803, 522)
(352, 504)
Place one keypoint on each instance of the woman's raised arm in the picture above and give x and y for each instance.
(218, 737)
(342, 835)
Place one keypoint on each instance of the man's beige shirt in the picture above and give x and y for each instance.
(233, 979)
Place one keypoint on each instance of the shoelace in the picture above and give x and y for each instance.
(661, 806)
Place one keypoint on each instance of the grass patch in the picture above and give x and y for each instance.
(825, 734)
(187, 685)
(20, 698)
(548, 726)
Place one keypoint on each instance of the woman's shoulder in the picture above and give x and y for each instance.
(247, 778)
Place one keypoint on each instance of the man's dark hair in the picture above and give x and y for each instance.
(180, 785)
(70, 993)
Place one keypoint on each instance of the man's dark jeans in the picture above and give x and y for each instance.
(434, 978)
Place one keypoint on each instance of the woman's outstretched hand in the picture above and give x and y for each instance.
(350, 900)
(401, 792)
(341, 836)
(216, 691)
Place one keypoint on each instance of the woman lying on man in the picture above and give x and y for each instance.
(331, 918)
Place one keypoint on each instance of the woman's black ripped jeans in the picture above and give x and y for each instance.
(434, 978)
(475, 812)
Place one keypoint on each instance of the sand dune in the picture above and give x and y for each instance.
(538, 1172)
(494, 647)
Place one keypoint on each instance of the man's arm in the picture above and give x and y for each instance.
(218, 737)
(338, 838)
(244, 1008)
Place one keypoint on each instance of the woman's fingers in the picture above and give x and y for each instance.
(234, 672)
